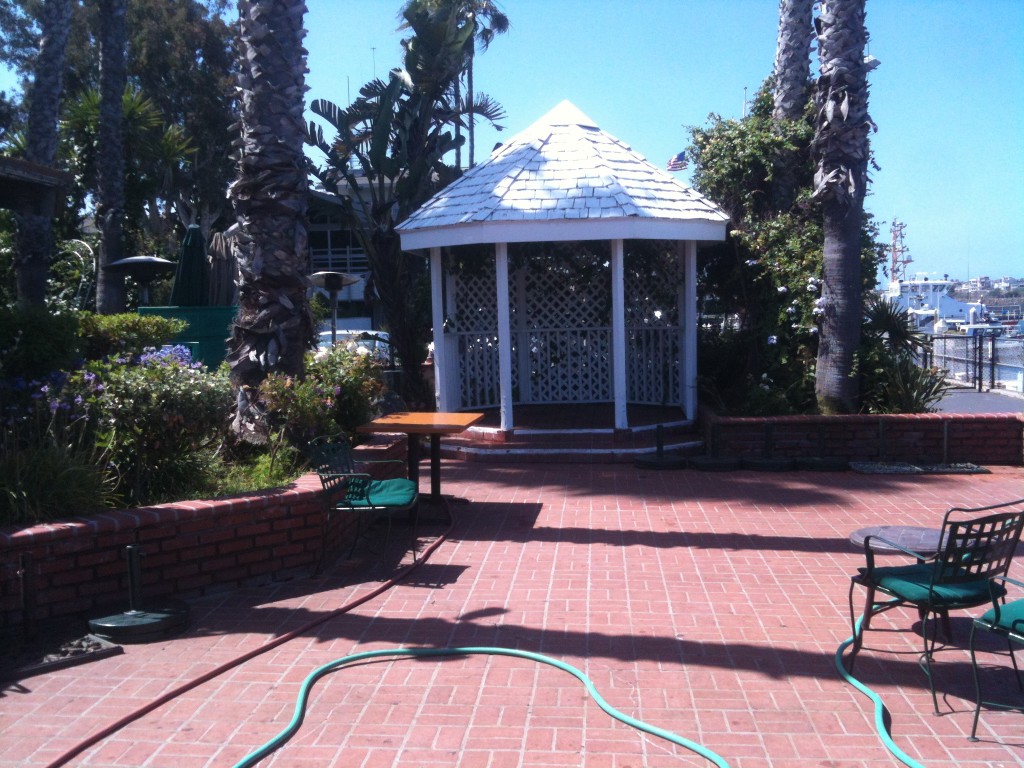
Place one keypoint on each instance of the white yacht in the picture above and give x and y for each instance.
(930, 301)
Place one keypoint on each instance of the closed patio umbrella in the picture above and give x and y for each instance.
(191, 279)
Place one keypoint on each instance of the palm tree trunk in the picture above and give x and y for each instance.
(35, 238)
(469, 101)
(458, 127)
(110, 289)
(841, 146)
(793, 58)
(274, 327)
(792, 77)
(836, 386)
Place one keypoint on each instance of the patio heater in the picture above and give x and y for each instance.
(332, 282)
(143, 270)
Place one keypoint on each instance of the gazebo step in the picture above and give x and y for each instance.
(575, 433)
(553, 450)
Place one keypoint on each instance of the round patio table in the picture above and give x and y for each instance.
(924, 541)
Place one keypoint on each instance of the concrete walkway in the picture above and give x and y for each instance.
(707, 604)
(972, 401)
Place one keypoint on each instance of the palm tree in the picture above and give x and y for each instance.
(841, 148)
(274, 326)
(35, 239)
(792, 78)
(486, 21)
(387, 158)
(490, 21)
(110, 290)
(154, 154)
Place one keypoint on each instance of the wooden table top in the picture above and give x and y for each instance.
(422, 423)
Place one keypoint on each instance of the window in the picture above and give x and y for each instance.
(333, 248)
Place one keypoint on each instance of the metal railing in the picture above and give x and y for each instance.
(980, 362)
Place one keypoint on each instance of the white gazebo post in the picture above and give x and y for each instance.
(619, 389)
(441, 388)
(504, 336)
(689, 360)
(522, 339)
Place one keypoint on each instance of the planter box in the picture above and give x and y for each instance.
(77, 566)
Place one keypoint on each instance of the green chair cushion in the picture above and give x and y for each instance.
(1011, 620)
(912, 583)
(396, 492)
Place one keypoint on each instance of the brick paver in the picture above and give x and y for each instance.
(707, 604)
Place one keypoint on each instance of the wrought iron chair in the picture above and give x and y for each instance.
(973, 551)
(349, 488)
(1006, 619)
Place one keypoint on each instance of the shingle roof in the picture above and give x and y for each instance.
(563, 178)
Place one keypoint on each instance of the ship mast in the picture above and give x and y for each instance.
(900, 252)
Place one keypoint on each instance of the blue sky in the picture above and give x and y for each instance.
(948, 97)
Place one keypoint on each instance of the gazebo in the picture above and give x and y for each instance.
(533, 326)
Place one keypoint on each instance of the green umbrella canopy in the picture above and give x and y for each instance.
(191, 280)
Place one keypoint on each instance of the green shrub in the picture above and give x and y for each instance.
(159, 420)
(50, 466)
(894, 383)
(337, 395)
(784, 384)
(34, 342)
(890, 379)
(125, 334)
(133, 430)
(260, 470)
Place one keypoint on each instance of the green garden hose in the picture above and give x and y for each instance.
(880, 710)
(307, 685)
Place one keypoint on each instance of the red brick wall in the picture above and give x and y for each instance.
(78, 565)
(932, 438)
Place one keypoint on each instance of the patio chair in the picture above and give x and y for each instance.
(973, 551)
(350, 488)
(1006, 619)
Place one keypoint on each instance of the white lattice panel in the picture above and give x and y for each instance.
(569, 334)
(480, 384)
(561, 330)
(555, 299)
(652, 330)
(474, 307)
(569, 366)
(652, 366)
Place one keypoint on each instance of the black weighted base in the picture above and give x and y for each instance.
(153, 623)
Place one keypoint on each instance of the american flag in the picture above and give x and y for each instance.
(677, 163)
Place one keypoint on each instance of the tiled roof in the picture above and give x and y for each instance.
(563, 178)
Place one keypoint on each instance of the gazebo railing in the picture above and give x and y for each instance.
(559, 365)
(564, 365)
(652, 365)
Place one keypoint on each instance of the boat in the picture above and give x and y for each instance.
(928, 302)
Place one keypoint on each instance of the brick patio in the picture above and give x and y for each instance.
(708, 604)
